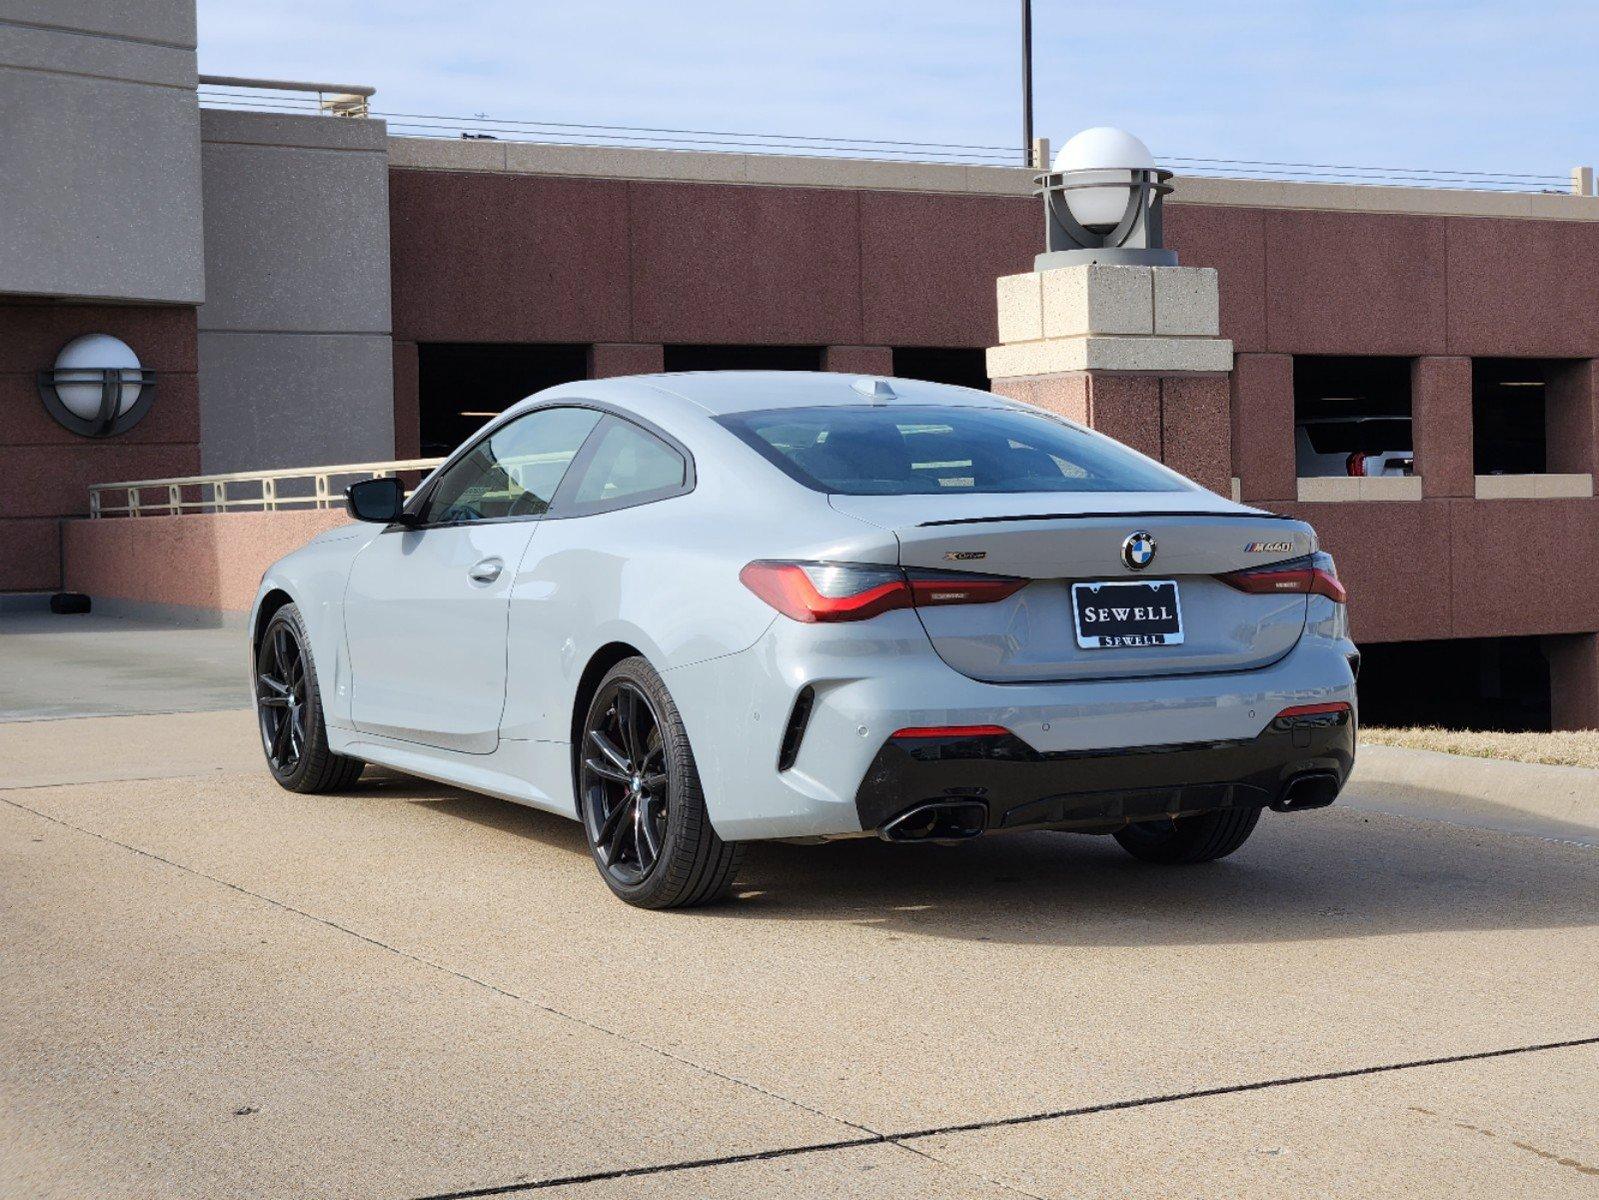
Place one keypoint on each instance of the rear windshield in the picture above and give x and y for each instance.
(926, 450)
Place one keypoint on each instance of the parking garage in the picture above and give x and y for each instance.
(1413, 369)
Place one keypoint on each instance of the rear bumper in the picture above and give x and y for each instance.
(874, 677)
(1100, 791)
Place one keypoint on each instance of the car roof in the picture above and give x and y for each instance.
(722, 392)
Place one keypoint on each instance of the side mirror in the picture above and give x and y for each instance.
(381, 500)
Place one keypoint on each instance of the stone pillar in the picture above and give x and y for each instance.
(1263, 427)
(1132, 351)
(1196, 429)
(1573, 680)
(407, 402)
(859, 360)
(1441, 426)
(607, 359)
(1571, 417)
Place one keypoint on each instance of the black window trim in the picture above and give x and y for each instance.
(563, 505)
(554, 511)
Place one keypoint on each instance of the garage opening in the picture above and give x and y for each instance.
(743, 358)
(943, 364)
(1530, 416)
(461, 385)
(1508, 416)
(1352, 416)
(1468, 683)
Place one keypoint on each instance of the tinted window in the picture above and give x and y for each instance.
(627, 465)
(514, 471)
(901, 451)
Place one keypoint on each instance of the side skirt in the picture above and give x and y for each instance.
(537, 774)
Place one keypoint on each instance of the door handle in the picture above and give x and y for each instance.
(486, 571)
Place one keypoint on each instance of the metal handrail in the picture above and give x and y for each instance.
(269, 497)
(340, 99)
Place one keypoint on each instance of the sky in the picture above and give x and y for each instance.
(1471, 85)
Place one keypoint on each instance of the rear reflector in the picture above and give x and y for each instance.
(950, 731)
(816, 591)
(1314, 575)
(1314, 710)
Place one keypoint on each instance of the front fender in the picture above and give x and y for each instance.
(314, 579)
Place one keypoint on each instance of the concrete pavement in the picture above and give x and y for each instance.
(93, 664)
(209, 987)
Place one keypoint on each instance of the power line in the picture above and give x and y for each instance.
(623, 142)
(725, 133)
(1250, 162)
(568, 133)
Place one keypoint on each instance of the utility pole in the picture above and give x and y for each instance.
(1027, 83)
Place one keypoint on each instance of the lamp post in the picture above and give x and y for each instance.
(1107, 328)
(97, 387)
(1102, 203)
(1027, 85)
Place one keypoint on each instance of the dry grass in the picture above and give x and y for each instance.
(1578, 749)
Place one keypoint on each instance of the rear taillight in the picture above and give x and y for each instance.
(1314, 575)
(929, 588)
(827, 591)
(816, 591)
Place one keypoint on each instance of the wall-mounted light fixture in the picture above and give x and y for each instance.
(1102, 203)
(97, 387)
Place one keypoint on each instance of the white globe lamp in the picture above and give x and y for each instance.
(80, 370)
(97, 387)
(1102, 203)
(1102, 155)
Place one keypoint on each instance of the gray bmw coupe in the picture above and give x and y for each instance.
(695, 610)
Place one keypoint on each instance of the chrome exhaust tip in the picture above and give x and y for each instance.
(1313, 789)
(937, 821)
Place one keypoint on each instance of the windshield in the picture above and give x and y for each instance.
(926, 450)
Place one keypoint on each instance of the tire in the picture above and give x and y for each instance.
(640, 799)
(1204, 837)
(288, 706)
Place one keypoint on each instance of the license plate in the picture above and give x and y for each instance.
(1145, 612)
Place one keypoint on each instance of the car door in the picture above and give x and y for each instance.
(426, 607)
(579, 575)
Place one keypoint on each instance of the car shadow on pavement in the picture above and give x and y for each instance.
(551, 830)
(1335, 873)
(1304, 876)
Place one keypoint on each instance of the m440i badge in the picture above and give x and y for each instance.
(1268, 547)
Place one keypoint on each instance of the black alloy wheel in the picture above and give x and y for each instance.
(640, 798)
(626, 786)
(280, 698)
(288, 709)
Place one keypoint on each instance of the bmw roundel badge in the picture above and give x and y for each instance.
(1138, 549)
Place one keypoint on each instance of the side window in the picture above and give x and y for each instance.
(514, 471)
(626, 466)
